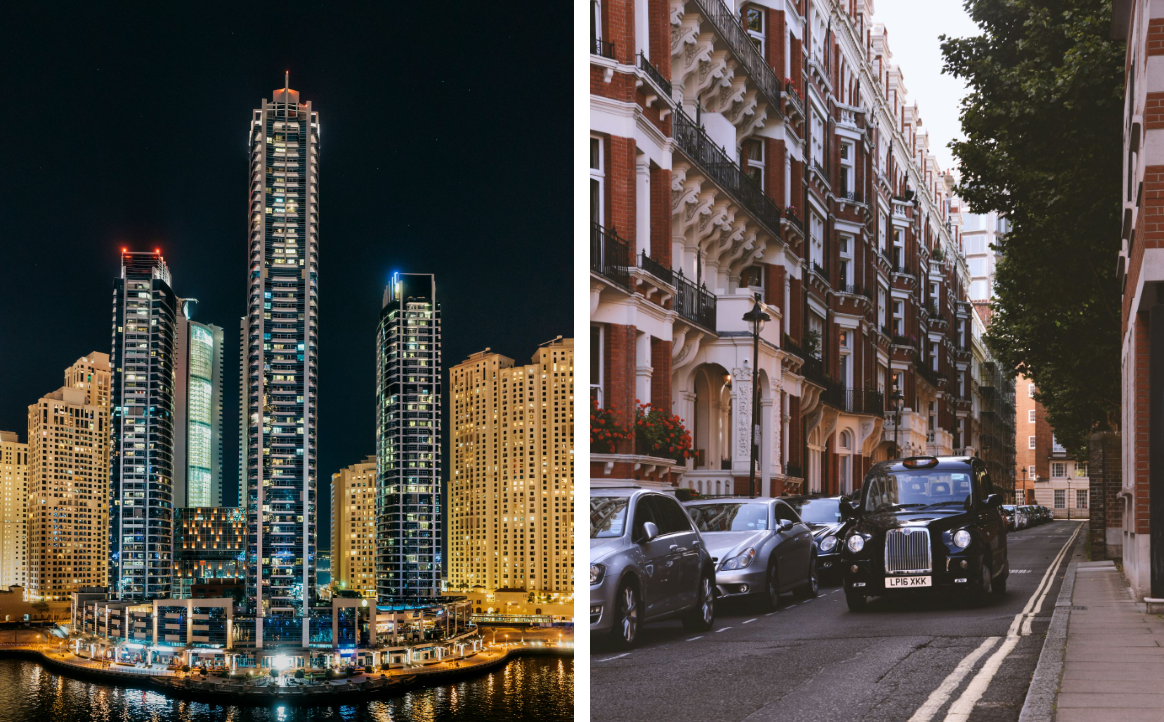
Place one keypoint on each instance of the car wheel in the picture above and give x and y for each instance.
(857, 601)
(626, 615)
(702, 616)
(772, 588)
(812, 586)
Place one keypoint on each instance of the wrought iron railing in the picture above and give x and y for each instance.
(793, 470)
(600, 47)
(694, 303)
(729, 27)
(820, 270)
(792, 347)
(902, 340)
(656, 269)
(813, 370)
(853, 401)
(713, 161)
(654, 74)
(609, 256)
(794, 98)
(853, 196)
(926, 372)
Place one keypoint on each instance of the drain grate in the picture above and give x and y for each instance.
(1076, 608)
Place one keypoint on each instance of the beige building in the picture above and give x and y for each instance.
(13, 510)
(353, 527)
(68, 483)
(511, 494)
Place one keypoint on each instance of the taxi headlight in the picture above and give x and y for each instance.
(962, 539)
(856, 543)
(828, 543)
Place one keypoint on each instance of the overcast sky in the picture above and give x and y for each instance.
(914, 27)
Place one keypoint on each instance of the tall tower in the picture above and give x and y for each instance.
(197, 411)
(511, 494)
(280, 359)
(353, 527)
(13, 510)
(68, 484)
(141, 504)
(408, 440)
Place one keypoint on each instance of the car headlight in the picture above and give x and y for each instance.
(856, 543)
(740, 561)
(596, 573)
(828, 543)
(962, 539)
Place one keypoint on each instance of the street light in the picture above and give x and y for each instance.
(898, 404)
(756, 317)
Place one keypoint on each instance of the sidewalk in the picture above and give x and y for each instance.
(1103, 650)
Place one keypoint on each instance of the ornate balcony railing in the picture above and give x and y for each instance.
(713, 161)
(656, 77)
(923, 369)
(813, 370)
(854, 401)
(602, 48)
(728, 26)
(820, 270)
(902, 340)
(853, 196)
(792, 347)
(694, 303)
(609, 256)
(793, 470)
(793, 98)
(656, 269)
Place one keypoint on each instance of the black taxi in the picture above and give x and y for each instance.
(925, 524)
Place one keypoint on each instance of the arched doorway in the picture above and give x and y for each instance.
(845, 462)
(712, 432)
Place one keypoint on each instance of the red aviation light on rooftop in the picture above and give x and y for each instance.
(158, 251)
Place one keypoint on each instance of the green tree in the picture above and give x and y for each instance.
(1043, 123)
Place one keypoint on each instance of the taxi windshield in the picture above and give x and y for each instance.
(918, 489)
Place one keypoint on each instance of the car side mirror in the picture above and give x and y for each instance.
(993, 500)
(650, 531)
(784, 525)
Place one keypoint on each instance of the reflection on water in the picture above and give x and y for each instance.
(535, 688)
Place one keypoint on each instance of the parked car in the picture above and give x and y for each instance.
(761, 548)
(828, 525)
(648, 563)
(925, 524)
(1010, 514)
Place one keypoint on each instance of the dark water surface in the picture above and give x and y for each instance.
(530, 688)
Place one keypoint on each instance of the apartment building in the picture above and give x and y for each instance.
(197, 410)
(353, 527)
(209, 548)
(511, 494)
(13, 510)
(763, 159)
(68, 486)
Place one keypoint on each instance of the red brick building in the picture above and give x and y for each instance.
(769, 149)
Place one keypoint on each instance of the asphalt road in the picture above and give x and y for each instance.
(815, 660)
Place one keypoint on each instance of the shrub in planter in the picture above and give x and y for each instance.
(274, 674)
(662, 434)
(186, 668)
(605, 432)
(368, 669)
(300, 674)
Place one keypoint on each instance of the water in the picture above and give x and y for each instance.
(530, 688)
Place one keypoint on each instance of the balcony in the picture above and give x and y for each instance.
(923, 370)
(851, 196)
(715, 163)
(656, 269)
(820, 271)
(694, 303)
(793, 103)
(601, 48)
(729, 29)
(853, 401)
(609, 256)
(661, 84)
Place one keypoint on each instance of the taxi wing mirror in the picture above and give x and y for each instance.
(993, 501)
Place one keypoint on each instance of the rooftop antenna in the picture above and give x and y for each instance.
(286, 80)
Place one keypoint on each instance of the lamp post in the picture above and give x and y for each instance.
(898, 404)
(756, 317)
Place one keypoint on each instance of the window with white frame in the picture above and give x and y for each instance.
(845, 349)
(818, 35)
(1081, 498)
(846, 255)
(818, 132)
(754, 160)
(595, 23)
(597, 180)
(1060, 498)
(899, 248)
(934, 355)
(882, 154)
(933, 419)
(1031, 471)
(881, 380)
(1081, 469)
(848, 176)
(816, 324)
(1058, 470)
(752, 277)
(754, 24)
(881, 311)
(1031, 416)
(1031, 391)
(596, 364)
(816, 239)
(898, 317)
(881, 231)
(1030, 442)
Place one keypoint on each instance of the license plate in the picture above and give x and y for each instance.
(907, 582)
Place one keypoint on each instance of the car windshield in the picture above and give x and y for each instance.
(729, 517)
(607, 516)
(907, 490)
(818, 511)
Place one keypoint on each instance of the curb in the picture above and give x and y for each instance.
(1039, 705)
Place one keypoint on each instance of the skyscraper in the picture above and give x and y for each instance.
(353, 527)
(280, 365)
(511, 494)
(408, 440)
(197, 412)
(13, 510)
(141, 509)
(68, 484)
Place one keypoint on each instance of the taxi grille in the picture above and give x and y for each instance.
(908, 552)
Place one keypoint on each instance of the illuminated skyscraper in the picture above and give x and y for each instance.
(141, 505)
(279, 393)
(353, 527)
(13, 510)
(197, 412)
(408, 440)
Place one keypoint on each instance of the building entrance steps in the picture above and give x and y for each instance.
(1104, 653)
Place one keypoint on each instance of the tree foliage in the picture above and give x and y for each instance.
(1043, 123)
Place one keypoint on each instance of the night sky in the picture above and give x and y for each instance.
(444, 148)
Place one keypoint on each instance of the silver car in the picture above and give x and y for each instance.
(761, 548)
(647, 563)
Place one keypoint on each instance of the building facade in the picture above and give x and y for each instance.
(197, 411)
(768, 150)
(353, 527)
(13, 510)
(280, 356)
(980, 232)
(209, 547)
(408, 440)
(511, 493)
(141, 509)
(68, 486)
